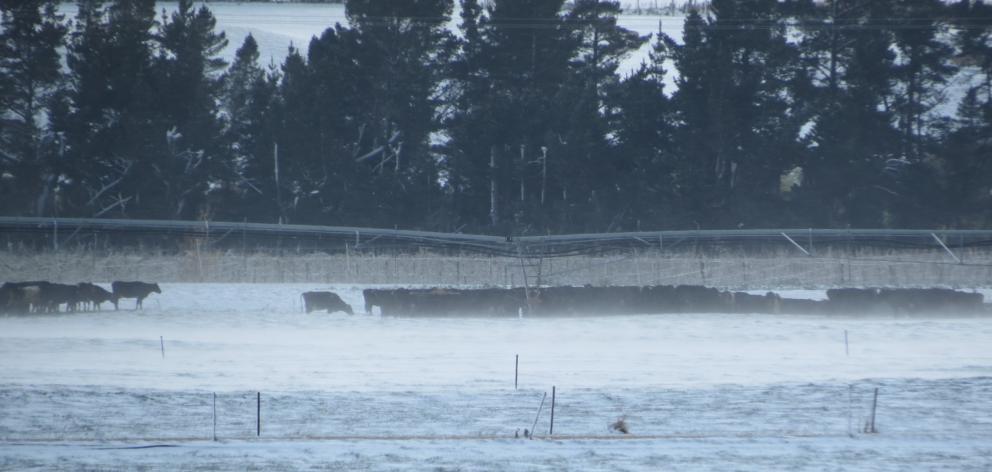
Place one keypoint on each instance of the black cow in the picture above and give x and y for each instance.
(137, 290)
(743, 302)
(330, 301)
(857, 300)
(54, 295)
(389, 301)
(13, 299)
(93, 295)
(24, 297)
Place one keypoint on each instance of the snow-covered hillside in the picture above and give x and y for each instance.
(276, 26)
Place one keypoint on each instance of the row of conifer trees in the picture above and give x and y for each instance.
(765, 113)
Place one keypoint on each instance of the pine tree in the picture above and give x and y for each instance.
(322, 102)
(851, 135)
(466, 167)
(599, 41)
(503, 132)
(740, 130)
(692, 60)
(645, 123)
(967, 147)
(923, 67)
(195, 165)
(969, 164)
(247, 101)
(974, 42)
(293, 154)
(584, 112)
(401, 51)
(31, 33)
(83, 122)
(113, 130)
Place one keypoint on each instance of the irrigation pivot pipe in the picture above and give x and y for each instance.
(548, 246)
(947, 249)
(794, 243)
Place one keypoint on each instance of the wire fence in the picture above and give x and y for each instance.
(918, 408)
(56, 233)
(73, 250)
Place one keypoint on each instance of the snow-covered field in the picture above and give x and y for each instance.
(698, 392)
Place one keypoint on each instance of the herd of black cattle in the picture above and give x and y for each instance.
(659, 299)
(49, 297)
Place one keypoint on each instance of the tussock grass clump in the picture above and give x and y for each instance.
(620, 425)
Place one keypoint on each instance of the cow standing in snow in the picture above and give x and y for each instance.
(136, 290)
(20, 297)
(91, 296)
(330, 301)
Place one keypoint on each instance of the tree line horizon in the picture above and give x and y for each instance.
(785, 113)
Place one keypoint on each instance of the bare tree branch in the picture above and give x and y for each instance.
(111, 185)
(379, 149)
(120, 202)
(370, 154)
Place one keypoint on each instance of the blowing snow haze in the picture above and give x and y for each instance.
(496, 235)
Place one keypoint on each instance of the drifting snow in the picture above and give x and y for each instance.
(366, 392)
(232, 336)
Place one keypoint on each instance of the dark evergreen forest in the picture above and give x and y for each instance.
(785, 113)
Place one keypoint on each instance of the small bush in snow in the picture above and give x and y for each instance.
(620, 425)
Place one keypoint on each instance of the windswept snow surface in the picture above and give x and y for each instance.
(698, 392)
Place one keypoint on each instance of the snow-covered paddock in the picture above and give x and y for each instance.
(365, 392)
(758, 454)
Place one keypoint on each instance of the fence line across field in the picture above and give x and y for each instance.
(382, 256)
(440, 437)
(193, 417)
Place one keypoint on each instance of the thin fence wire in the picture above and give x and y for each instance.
(910, 408)
(206, 235)
(73, 250)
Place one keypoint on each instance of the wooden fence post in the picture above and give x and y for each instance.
(516, 371)
(551, 430)
(874, 406)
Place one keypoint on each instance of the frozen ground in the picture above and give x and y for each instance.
(703, 392)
